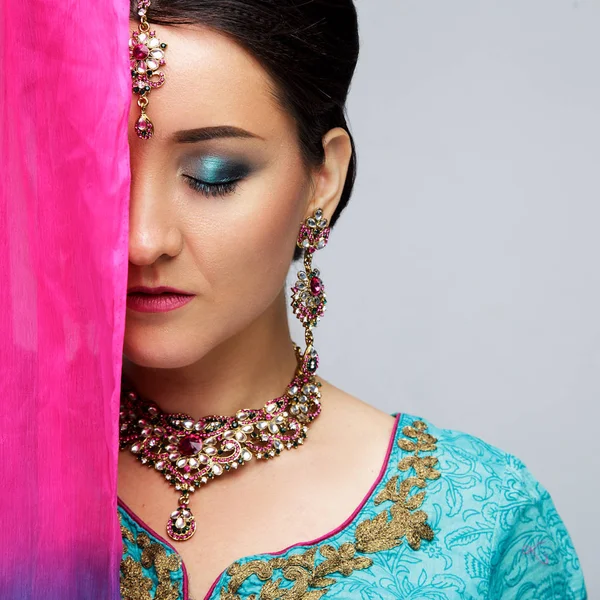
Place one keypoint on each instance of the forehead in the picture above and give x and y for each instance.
(211, 80)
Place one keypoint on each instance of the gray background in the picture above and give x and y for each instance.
(475, 224)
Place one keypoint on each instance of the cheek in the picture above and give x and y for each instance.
(249, 252)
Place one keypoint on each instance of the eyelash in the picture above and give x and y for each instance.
(211, 189)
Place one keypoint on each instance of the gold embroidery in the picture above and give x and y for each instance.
(387, 529)
(383, 532)
(134, 585)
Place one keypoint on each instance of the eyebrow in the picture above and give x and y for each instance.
(190, 136)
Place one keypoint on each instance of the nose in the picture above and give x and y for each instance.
(153, 229)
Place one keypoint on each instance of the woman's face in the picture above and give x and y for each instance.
(212, 215)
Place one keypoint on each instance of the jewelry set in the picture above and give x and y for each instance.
(192, 453)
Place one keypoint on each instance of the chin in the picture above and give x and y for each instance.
(160, 351)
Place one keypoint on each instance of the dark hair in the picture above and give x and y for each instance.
(309, 47)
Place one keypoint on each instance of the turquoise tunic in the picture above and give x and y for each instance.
(450, 517)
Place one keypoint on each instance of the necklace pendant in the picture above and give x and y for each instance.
(181, 525)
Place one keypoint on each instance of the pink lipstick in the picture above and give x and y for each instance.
(155, 300)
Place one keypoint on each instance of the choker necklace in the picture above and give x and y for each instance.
(191, 453)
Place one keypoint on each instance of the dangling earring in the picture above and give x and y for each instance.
(308, 293)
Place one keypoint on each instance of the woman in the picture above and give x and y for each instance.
(241, 163)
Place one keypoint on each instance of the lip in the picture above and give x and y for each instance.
(142, 289)
(157, 300)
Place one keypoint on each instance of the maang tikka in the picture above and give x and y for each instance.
(191, 453)
(146, 55)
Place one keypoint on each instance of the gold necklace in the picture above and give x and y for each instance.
(191, 453)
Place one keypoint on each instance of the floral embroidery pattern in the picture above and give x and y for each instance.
(497, 535)
(310, 580)
(134, 585)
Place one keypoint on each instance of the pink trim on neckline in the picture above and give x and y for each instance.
(331, 533)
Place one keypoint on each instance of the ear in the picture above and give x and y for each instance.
(330, 177)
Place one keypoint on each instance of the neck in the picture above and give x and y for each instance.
(245, 371)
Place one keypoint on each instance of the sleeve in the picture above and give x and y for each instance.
(533, 557)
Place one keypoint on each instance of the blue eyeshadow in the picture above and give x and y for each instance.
(217, 169)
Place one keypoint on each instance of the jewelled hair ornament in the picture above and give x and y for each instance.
(146, 54)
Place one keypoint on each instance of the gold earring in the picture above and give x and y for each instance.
(308, 293)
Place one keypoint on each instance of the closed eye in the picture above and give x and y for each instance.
(222, 188)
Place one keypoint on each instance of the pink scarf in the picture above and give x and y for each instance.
(64, 193)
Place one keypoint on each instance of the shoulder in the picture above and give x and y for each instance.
(489, 514)
(465, 447)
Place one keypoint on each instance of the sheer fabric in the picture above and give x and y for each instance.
(64, 189)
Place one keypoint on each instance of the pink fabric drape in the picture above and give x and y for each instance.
(64, 189)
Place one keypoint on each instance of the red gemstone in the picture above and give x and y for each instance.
(140, 52)
(190, 446)
(316, 286)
